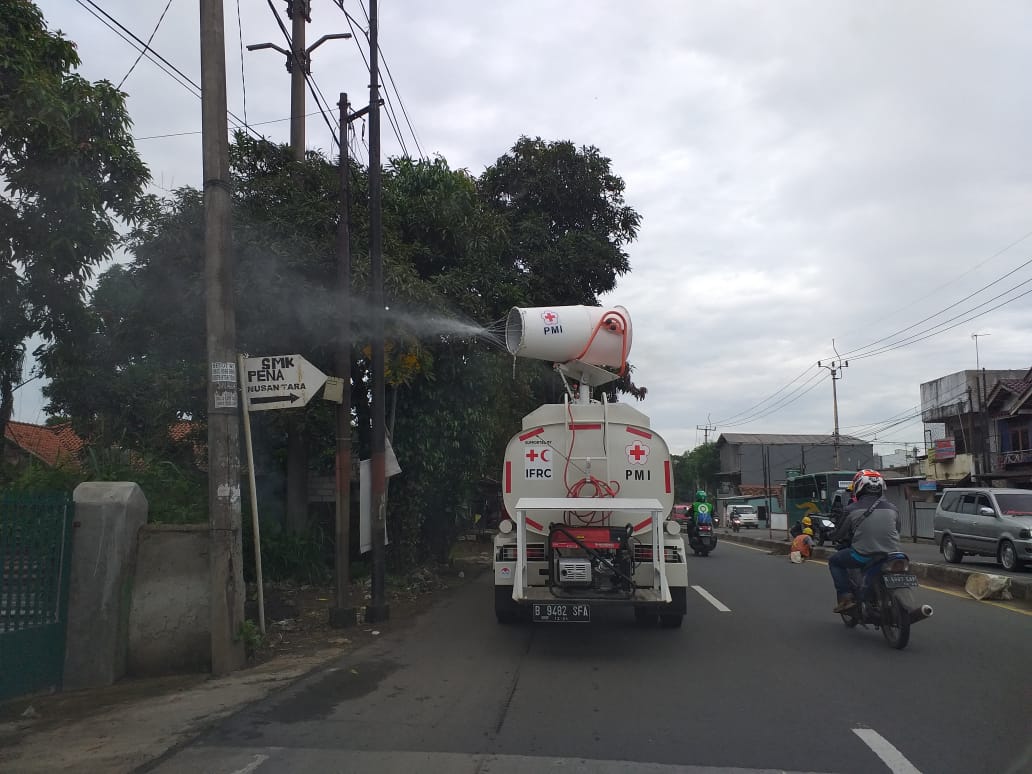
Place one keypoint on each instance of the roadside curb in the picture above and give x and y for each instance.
(1020, 588)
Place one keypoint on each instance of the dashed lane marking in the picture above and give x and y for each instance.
(712, 599)
(254, 764)
(891, 757)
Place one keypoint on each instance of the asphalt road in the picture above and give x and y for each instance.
(925, 551)
(773, 681)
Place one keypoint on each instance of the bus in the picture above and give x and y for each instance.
(814, 493)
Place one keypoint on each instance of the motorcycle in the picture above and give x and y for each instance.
(822, 527)
(736, 523)
(701, 538)
(884, 600)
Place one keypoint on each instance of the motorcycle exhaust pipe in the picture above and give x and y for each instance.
(920, 613)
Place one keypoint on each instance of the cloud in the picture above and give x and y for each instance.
(805, 171)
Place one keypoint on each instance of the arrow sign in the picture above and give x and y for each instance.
(280, 381)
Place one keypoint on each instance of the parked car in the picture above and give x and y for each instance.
(982, 521)
(746, 513)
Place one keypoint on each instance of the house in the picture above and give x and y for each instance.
(744, 458)
(55, 446)
(1009, 406)
(971, 405)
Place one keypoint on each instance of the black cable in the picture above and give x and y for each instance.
(174, 72)
(304, 71)
(941, 311)
(146, 46)
(760, 403)
(243, 80)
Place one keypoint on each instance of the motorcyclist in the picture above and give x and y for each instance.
(702, 515)
(870, 525)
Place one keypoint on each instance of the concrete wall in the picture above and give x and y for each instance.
(169, 624)
(108, 516)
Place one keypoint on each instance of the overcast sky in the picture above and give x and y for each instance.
(805, 171)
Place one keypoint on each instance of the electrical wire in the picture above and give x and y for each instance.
(309, 80)
(942, 311)
(146, 46)
(243, 80)
(391, 115)
(918, 337)
(152, 55)
(760, 403)
(787, 400)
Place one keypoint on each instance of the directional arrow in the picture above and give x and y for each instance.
(277, 399)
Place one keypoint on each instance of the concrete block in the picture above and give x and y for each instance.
(170, 620)
(108, 516)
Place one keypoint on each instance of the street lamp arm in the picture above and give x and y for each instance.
(257, 46)
(324, 38)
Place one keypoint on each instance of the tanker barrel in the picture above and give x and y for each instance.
(595, 335)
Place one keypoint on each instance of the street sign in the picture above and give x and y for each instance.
(280, 381)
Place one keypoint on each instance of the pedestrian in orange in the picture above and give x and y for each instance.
(802, 547)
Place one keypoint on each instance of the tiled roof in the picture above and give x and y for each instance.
(56, 445)
(1017, 386)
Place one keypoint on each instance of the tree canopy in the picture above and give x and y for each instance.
(68, 168)
(451, 261)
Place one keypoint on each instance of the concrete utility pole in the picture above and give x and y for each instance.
(377, 610)
(299, 65)
(343, 614)
(835, 367)
(982, 395)
(707, 429)
(226, 562)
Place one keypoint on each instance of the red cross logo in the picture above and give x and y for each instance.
(637, 453)
(549, 317)
(533, 455)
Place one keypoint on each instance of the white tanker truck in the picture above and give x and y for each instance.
(587, 485)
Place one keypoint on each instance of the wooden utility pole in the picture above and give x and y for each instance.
(226, 556)
(377, 610)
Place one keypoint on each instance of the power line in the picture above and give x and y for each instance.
(309, 80)
(146, 46)
(760, 403)
(391, 114)
(942, 311)
(918, 337)
(243, 81)
(786, 400)
(163, 64)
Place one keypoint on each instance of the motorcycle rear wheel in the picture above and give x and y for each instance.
(895, 625)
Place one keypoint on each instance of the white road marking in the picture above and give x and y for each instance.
(258, 761)
(890, 756)
(712, 599)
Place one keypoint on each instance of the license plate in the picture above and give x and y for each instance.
(561, 613)
(900, 580)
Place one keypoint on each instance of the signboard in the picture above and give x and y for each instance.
(945, 449)
(280, 381)
(927, 486)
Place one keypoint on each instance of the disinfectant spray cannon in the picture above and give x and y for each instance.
(587, 485)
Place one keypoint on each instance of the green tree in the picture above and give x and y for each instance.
(567, 220)
(69, 168)
(694, 470)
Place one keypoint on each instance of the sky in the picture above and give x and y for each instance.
(813, 176)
